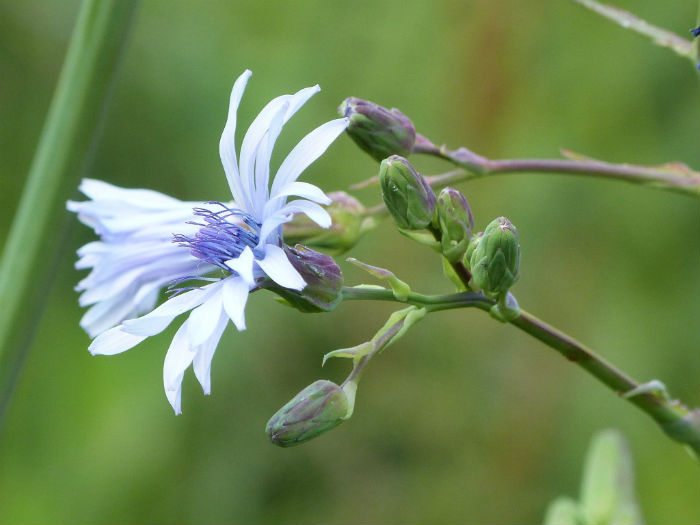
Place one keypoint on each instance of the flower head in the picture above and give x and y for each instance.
(135, 257)
(244, 239)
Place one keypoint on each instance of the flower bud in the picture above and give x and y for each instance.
(407, 195)
(350, 222)
(313, 411)
(456, 223)
(378, 131)
(496, 259)
(324, 281)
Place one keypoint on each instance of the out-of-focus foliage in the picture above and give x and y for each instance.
(465, 419)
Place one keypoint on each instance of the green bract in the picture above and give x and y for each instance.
(495, 261)
(456, 223)
(316, 409)
(407, 195)
(377, 130)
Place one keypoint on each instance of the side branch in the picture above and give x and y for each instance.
(676, 420)
(676, 177)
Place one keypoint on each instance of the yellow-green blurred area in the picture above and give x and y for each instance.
(465, 420)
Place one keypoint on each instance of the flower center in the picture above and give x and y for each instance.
(222, 236)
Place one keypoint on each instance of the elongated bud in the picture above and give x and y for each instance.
(377, 130)
(456, 223)
(350, 222)
(324, 281)
(407, 195)
(313, 411)
(495, 262)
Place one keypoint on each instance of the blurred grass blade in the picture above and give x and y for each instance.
(563, 511)
(69, 133)
(607, 490)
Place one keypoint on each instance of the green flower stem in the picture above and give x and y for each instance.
(432, 303)
(29, 258)
(676, 420)
(676, 178)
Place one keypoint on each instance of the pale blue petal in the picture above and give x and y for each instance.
(203, 319)
(262, 160)
(310, 148)
(235, 295)
(114, 341)
(159, 319)
(312, 210)
(295, 189)
(251, 142)
(279, 269)
(227, 144)
(202, 360)
(243, 265)
(178, 358)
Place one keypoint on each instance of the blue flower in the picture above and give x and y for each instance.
(243, 238)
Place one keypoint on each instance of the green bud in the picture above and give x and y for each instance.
(378, 131)
(350, 222)
(324, 281)
(456, 223)
(495, 262)
(407, 195)
(313, 411)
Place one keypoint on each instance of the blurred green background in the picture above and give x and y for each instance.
(465, 420)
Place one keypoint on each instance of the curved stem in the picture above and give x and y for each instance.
(675, 177)
(676, 420)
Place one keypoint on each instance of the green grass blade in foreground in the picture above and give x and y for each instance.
(69, 132)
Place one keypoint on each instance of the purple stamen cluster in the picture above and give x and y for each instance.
(223, 235)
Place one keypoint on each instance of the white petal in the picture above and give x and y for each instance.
(178, 358)
(235, 295)
(262, 160)
(114, 341)
(251, 142)
(270, 226)
(227, 144)
(203, 319)
(243, 265)
(303, 190)
(263, 124)
(312, 210)
(106, 314)
(98, 190)
(159, 319)
(279, 269)
(202, 361)
(307, 151)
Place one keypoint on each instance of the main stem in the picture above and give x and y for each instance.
(69, 132)
(676, 420)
